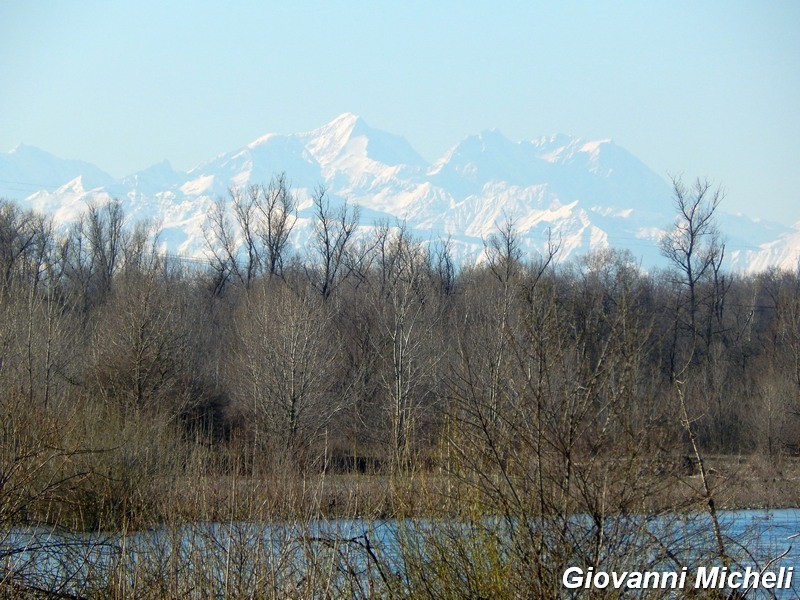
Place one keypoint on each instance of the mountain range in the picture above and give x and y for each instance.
(583, 194)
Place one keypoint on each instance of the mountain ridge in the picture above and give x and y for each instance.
(586, 193)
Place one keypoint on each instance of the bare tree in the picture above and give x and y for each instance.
(503, 252)
(221, 241)
(105, 237)
(407, 317)
(694, 246)
(444, 265)
(91, 253)
(264, 218)
(504, 258)
(333, 233)
(695, 249)
(278, 208)
(245, 207)
(283, 360)
(25, 244)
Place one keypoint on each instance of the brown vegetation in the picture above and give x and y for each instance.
(526, 415)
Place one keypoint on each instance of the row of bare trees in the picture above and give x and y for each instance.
(372, 350)
(575, 403)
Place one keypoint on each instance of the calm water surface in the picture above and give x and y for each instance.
(69, 561)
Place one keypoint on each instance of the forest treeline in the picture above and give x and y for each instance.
(527, 384)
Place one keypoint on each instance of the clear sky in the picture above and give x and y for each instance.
(709, 89)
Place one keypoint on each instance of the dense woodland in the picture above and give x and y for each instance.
(519, 385)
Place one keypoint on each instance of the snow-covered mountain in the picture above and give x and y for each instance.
(583, 194)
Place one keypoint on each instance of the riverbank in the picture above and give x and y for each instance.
(737, 483)
(361, 558)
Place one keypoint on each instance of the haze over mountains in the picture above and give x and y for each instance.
(584, 194)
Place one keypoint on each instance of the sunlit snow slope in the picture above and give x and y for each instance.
(580, 194)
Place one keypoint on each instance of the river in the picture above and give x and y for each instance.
(359, 555)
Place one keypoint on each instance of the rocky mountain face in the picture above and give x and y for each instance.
(584, 195)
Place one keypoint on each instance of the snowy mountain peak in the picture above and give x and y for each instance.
(593, 147)
(329, 142)
(346, 122)
(264, 139)
(164, 166)
(20, 149)
(155, 178)
(587, 194)
(348, 143)
(74, 186)
(30, 169)
(28, 152)
(493, 136)
(338, 131)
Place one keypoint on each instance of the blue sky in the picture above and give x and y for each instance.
(707, 89)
